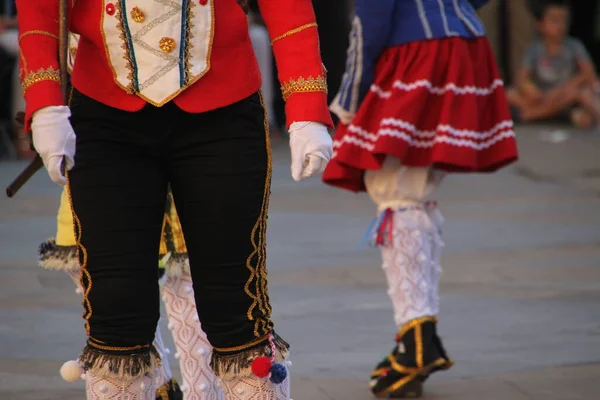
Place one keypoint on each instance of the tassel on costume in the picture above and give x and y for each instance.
(239, 363)
(54, 257)
(260, 372)
(381, 229)
(264, 366)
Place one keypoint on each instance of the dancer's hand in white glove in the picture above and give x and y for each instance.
(54, 140)
(311, 147)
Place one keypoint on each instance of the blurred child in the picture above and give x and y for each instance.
(557, 75)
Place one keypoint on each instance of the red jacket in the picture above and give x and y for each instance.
(197, 53)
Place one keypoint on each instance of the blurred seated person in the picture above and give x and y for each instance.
(557, 75)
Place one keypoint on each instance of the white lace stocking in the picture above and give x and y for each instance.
(409, 264)
(437, 246)
(97, 388)
(253, 388)
(193, 349)
(74, 275)
(163, 374)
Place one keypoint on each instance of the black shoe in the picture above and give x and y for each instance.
(169, 391)
(418, 353)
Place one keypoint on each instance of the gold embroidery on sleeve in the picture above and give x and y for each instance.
(304, 85)
(28, 33)
(37, 32)
(294, 31)
(42, 74)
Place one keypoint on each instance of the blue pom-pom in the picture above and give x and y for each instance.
(278, 373)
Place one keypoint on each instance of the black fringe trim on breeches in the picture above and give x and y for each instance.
(238, 363)
(119, 364)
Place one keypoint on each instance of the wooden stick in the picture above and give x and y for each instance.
(63, 53)
(34, 166)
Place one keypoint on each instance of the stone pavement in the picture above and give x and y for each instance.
(574, 161)
(520, 290)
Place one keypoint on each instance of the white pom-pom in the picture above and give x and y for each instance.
(184, 388)
(189, 289)
(167, 350)
(103, 389)
(203, 387)
(177, 355)
(201, 351)
(240, 390)
(83, 376)
(164, 299)
(142, 386)
(288, 363)
(196, 319)
(79, 290)
(70, 371)
(171, 326)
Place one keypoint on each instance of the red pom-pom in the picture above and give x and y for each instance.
(261, 366)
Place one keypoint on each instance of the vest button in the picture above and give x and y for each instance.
(203, 2)
(167, 44)
(137, 15)
(110, 9)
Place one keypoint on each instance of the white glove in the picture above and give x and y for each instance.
(54, 140)
(311, 147)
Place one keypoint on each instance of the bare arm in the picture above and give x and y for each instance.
(586, 75)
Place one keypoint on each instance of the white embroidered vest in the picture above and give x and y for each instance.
(73, 45)
(157, 48)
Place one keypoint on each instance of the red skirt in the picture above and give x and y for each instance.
(438, 103)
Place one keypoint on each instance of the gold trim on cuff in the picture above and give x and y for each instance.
(304, 85)
(42, 74)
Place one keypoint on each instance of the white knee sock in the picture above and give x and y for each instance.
(408, 262)
(97, 388)
(193, 349)
(163, 374)
(249, 387)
